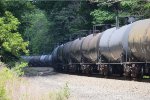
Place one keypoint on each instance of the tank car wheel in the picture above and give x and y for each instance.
(135, 71)
(142, 72)
(127, 72)
(79, 71)
(101, 69)
(106, 71)
(110, 70)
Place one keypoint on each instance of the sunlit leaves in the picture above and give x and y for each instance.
(102, 16)
(129, 3)
(106, 14)
(10, 40)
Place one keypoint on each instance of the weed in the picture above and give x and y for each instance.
(13, 87)
(63, 94)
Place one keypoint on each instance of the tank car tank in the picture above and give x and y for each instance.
(76, 50)
(139, 40)
(66, 52)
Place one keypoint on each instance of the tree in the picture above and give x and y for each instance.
(33, 23)
(66, 18)
(46, 23)
(11, 42)
(37, 31)
(106, 11)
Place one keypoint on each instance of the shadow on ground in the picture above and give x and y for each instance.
(49, 71)
(39, 71)
(114, 77)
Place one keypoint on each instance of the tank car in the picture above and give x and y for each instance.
(76, 50)
(38, 61)
(124, 51)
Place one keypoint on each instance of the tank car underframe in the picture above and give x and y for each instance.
(131, 66)
(128, 68)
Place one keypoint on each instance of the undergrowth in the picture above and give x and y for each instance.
(14, 87)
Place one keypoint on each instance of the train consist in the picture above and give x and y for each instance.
(123, 51)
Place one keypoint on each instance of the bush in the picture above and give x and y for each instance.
(18, 69)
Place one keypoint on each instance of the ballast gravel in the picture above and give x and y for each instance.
(90, 88)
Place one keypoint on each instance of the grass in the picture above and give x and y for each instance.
(5, 75)
(63, 94)
(14, 87)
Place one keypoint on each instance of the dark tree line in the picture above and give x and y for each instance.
(46, 24)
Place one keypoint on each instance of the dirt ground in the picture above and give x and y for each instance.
(88, 88)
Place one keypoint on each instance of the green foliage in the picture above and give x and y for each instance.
(106, 12)
(37, 31)
(18, 69)
(10, 40)
(101, 16)
(147, 5)
(129, 3)
(5, 74)
(2, 87)
(65, 19)
(3, 93)
(46, 23)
